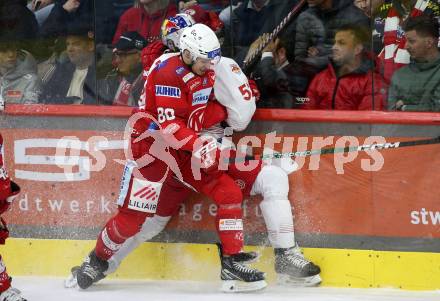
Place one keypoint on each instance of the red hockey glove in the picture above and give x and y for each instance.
(4, 231)
(214, 22)
(150, 53)
(254, 89)
(207, 154)
(8, 194)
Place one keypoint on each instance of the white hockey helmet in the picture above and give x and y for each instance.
(172, 27)
(201, 42)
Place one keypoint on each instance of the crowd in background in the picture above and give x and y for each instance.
(334, 54)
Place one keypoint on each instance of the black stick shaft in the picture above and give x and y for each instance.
(333, 150)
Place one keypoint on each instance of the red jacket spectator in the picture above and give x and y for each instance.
(147, 25)
(353, 91)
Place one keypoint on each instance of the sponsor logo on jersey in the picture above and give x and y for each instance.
(194, 84)
(201, 97)
(235, 68)
(160, 64)
(230, 224)
(180, 70)
(167, 91)
(187, 77)
(144, 196)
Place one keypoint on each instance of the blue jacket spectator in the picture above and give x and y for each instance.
(74, 80)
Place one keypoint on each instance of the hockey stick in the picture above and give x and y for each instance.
(247, 64)
(334, 150)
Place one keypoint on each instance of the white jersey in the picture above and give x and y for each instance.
(232, 90)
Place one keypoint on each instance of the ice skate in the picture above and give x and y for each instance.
(237, 276)
(71, 281)
(246, 257)
(91, 271)
(294, 269)
(11, 294)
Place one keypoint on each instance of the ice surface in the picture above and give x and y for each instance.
(52, 289)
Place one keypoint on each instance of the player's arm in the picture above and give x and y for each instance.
(233, 91)
(214, 113)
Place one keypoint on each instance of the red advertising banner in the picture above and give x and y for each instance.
(72, 178)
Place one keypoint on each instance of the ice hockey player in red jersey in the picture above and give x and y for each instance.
(178, 90)
(232, 90)
(8, 192)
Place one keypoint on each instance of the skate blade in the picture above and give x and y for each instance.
(72, 281)
(253, 260)
(298, 281)
(236, 286)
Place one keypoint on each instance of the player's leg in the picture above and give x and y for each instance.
(172, 194)
(291, 266)
(137, 200)
(235, 275)
(7, 292)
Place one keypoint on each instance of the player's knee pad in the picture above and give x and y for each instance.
(152, 227)
(272, 183)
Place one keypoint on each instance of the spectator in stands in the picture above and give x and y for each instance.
(17, 20)
(41, 9)
(74, 81)
(388, 35)
(250, 20)
(315, 30)
(19, 82)
(349, 82)
(225, 14)
(68, 15)
(275, 75)
(368, 6)
(145, 17)
(209, 5)
(123, 86)
(416, 87)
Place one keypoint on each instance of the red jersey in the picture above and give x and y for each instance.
(8, 189)
(148, 26)
(178, 98)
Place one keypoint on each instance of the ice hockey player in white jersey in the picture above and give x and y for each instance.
(232, 90)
